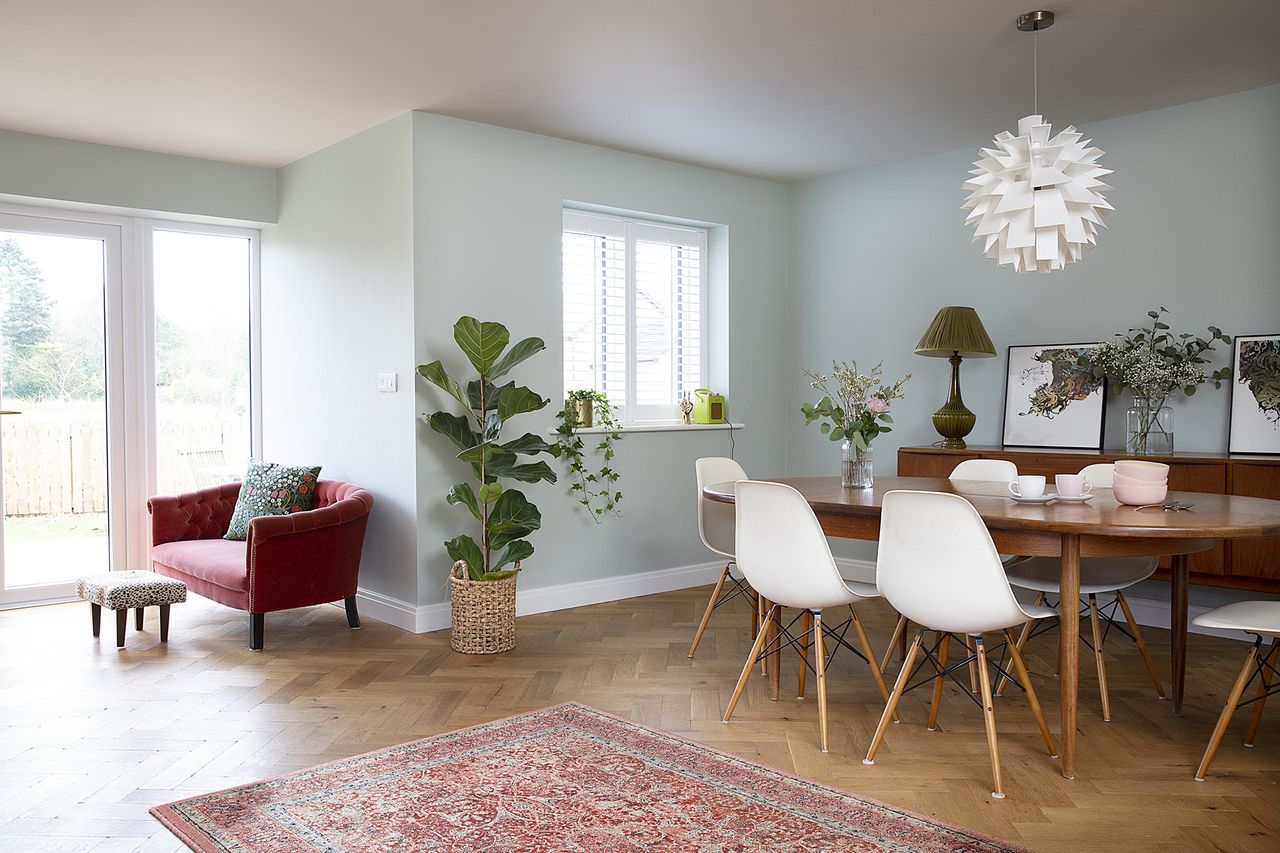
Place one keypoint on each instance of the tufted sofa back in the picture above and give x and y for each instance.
(206, 514)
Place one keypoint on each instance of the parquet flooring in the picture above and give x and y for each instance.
(91, 737)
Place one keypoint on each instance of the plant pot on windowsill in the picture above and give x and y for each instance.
(484, 613)
(582, 411)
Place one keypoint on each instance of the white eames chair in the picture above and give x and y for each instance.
(1262, 619)
(938, 567)
(716, 527)
(1098, 576)
(783, 553)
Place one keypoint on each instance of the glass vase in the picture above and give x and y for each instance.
(855, 466)
(1149, 428)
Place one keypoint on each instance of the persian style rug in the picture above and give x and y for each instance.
(563, 778)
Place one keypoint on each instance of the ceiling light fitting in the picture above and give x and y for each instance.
(1036, 201)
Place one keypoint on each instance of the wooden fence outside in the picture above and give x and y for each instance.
(55, 458)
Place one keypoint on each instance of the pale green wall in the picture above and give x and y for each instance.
(82, 173)
(487, 243)
(877, 251)
(337, 309)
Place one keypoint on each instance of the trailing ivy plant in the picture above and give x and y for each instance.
(594, 488)
(505, 516)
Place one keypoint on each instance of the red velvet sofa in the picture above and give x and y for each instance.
(294, 560)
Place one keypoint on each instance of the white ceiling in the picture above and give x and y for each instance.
(781, 89)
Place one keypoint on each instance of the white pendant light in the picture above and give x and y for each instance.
(1036, 200)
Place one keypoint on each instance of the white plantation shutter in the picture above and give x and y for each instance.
(634, 305)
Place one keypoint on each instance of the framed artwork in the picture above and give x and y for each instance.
(1050, 401)
(1255, 394)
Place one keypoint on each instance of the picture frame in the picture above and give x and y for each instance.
(1051, 402)
(1255, 395)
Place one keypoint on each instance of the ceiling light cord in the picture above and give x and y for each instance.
(1035, 71)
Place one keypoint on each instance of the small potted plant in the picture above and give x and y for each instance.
(856, 410)
(595, 488)
(579, 407)
(483, 578)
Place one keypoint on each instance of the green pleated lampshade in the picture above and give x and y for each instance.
(956, 329)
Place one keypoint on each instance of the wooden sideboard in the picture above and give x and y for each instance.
(1246, 564)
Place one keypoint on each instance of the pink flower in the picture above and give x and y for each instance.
(877, 406)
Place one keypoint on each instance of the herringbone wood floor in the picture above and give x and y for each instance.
(91, 737)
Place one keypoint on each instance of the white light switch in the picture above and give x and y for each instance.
(387, 383)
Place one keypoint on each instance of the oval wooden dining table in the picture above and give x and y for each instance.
(1099, 528)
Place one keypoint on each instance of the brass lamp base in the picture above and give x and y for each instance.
(953, 421)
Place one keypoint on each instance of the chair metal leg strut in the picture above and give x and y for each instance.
(1255, 666)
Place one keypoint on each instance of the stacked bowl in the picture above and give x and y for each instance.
(1138, 482)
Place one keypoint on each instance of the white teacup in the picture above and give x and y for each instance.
(1072, 485)
(1028, 486)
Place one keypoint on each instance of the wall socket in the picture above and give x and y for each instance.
(387, 383)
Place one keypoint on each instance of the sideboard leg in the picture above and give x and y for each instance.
(1178, 630)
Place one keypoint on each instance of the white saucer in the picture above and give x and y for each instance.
(1077, 499)
(1043, 499)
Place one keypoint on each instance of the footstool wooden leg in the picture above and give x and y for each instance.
(137, 622)
(95, 614)
(122, 619)
(164, 623)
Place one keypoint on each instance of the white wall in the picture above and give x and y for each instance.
(876, 252)
(337, 308)
(59, 170)
(487, 243)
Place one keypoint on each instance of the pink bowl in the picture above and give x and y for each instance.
(1138, 469)
(1121, 479)
(1150, 493)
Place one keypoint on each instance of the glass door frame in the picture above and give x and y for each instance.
(129, 311)
(122, 521)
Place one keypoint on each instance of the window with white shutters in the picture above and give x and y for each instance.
(634, 311)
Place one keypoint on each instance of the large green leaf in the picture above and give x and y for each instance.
(518, 400)
(517, 550)
(435, 374)
(465, 548)
(489, 492)
(481, 343)
(512, 517)
(481, 452)
(461, 494)
(515, 355)
(529, 443)
(503, 464)
(456, 427)
(491, 394)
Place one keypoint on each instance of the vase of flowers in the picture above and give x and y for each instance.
(854, 409)
(1154, 365)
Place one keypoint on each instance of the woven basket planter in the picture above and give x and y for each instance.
(484, 613)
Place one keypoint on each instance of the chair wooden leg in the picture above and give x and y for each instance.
(95, 617)
(1261, 699)
(764, 608)
(891, 707)
(943, 645)
(989, 716)
(893, 641)
(973, 664)
(1141, 644)
(706, 615)
(1020, 667)
(806, 627)
(1003, 680)
(122, 620)
(164, 623)
(1097, 657)
(746, 672)
(755, 614)
(820, 660)
(1233, 699)
(871, 656)
(257, 628)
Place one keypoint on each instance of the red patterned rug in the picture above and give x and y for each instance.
(563, 778)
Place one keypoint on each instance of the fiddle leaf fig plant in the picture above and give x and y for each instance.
(506, 517)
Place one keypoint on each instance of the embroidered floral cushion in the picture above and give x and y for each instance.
(271, 489)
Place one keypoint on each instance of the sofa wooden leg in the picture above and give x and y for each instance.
(353, 616)
(257, 624)
(95, 616)
(122, 620)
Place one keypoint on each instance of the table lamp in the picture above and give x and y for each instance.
(955, 332)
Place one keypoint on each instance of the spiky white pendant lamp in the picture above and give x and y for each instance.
(1037, 200)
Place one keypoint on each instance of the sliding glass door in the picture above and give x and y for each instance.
(59, 442)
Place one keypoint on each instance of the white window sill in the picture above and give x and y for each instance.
(595, 430)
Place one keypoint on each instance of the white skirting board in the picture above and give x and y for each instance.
(433, 617)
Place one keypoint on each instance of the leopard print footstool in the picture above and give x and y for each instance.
(132, 590)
